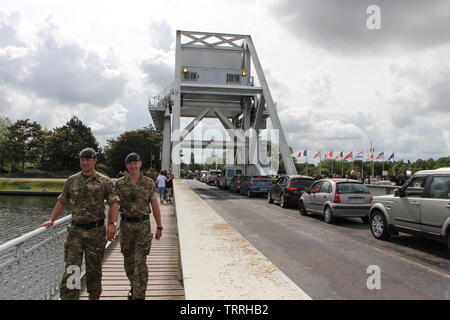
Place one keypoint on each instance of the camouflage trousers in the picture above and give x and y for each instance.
(135, 242)
(91, 243)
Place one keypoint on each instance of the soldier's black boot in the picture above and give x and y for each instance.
(130, 294)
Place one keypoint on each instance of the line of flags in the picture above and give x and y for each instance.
(340, 155)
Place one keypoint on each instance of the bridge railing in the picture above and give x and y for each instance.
(31, 266)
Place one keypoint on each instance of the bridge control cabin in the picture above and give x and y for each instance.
(213, 79)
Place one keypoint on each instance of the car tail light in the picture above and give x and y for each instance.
(291, 188)
(238, 182)
(337, 198)
(253, 183)
(371, 197)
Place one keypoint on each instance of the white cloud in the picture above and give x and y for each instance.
(341, 26)
(60, 69)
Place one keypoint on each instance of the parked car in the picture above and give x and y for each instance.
(201, 174)
(227, 175)
(253, 185)
(288, 189)
(420, 207)
(336, 198)
(235, 184)
(211, 177)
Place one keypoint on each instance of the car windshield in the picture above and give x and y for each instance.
(261, 179)
(352, 187)
(301, 183)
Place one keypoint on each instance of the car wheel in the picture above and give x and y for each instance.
(302, 209)
(379, 227)
(283, 202)
(448, 240)
(249, 193)
(328, 215)
(269, 198)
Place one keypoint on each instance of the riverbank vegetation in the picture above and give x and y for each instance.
(28, 150)
(31, 185)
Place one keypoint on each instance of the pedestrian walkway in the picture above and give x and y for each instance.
(162, 263)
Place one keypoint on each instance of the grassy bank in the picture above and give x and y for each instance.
(27, 185)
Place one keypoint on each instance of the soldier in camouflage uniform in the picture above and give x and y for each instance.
(84, 194)
(137, 199)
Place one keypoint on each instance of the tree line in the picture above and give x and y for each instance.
(25, 144)
(28, 144)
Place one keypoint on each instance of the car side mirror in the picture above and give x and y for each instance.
(399, 193)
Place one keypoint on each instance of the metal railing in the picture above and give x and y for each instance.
(31, 267)
(159, 99)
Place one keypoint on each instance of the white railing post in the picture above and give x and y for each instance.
(33, 271)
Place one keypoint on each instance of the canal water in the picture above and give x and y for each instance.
(22, 214)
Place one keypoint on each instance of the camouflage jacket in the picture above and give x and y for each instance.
(135, 199)
(85, 197)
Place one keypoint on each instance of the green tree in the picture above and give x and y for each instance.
(64, 144)
(4, 124)
(143, 141)
(24, 142)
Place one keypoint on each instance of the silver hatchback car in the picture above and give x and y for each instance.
(335, 198)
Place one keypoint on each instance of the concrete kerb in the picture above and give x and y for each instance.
(218, 263)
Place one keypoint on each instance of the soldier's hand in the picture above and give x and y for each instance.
(47, 224)
(111, 233)
(158, 234)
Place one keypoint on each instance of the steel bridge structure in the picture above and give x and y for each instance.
(213, 79)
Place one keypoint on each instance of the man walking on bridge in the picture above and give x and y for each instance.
(137, 199)
(84, 194)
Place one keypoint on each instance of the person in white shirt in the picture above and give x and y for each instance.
(161, 179)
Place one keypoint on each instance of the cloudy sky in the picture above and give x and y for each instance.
(338, 85)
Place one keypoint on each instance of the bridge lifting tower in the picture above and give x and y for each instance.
(213, 80)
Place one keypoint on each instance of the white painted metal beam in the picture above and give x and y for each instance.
(284, 148)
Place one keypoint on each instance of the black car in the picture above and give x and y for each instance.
(255, 185)
(288, 189)
(235, 184)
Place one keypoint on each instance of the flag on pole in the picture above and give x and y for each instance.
(391, 157)
(329, 155)
(349, 155)
(299, 155)
(305, 153)
(317, 154)
(359, 155)
(380, 156)
(370, 157)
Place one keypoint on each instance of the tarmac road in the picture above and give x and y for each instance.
(332, 261)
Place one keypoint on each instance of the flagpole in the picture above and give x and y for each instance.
(320, 163)
(362, 168)
(353, 161)
(383, 164)
(332, 161)
(306, 167)
(373, 160)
